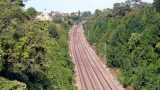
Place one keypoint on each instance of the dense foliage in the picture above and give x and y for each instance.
(79, 16)
(156, 4)
(132, 37)
(33, 54)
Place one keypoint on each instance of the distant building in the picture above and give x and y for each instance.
(44, 17)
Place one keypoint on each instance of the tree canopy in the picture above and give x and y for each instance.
(156, 4)
(34, 54)
(132, 38)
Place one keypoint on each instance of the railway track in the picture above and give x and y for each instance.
(81, 64)
(91, 73)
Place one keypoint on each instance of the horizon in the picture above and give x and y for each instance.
(72, 5)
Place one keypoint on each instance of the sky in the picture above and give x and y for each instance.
(72, 5)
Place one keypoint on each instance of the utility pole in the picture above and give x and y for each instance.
(105, 48)
(88, 36)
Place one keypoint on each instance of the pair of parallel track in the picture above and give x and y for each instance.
(91, 73)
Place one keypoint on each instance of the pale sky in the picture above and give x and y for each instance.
(72, 5)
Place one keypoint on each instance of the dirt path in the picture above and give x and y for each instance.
(91, 73)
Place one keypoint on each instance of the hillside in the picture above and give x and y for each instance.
(34, 54)
(129, 36)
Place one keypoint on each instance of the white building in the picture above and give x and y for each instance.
(44, 17)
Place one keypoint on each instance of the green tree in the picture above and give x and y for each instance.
(30, 56)
(98, 12)
(156, 4)
(86, 13)
(132, 43)
(31, 11)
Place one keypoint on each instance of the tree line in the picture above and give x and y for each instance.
(131, 31)
(33, 54)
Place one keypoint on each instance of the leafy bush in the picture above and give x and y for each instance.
(11, 85)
